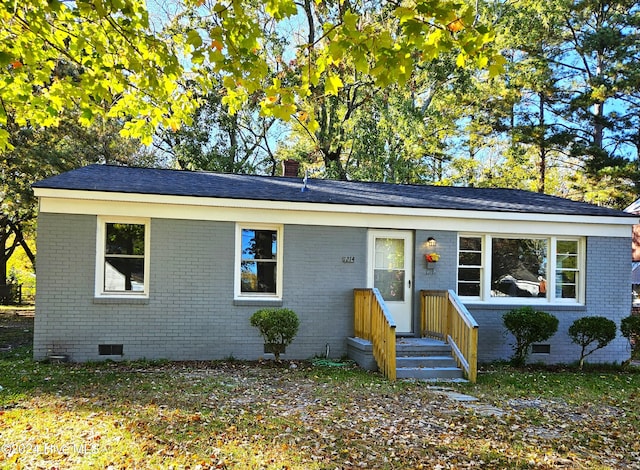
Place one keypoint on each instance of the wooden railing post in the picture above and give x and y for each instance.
(423, 315)
(448, 317)
(374, 323)
(444, 316)
(473, 355)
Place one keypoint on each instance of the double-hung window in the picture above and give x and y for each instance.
(470, 267)
(123, 257)
(499, 268)
(258, 262)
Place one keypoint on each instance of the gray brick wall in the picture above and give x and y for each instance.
(443, 275)
(190, 313)
(66, 248)
(444, 272)
(319, 286)
(607, 294)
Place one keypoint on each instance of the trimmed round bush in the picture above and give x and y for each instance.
(528, 326)
(596, 330)
(278, 327)
(630, 328)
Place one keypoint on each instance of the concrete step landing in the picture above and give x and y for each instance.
(416, 358)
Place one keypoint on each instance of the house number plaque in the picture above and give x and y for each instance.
(348, 259)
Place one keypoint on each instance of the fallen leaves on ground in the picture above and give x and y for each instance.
(260, 415)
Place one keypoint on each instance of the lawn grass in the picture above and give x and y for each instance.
(596, 383)
(234, 414)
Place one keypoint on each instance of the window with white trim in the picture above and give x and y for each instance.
(258, 261)
(123, 257)
(567, 269)
(500, 268)
(470, 267)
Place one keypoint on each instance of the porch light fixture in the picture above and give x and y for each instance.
(431, 257)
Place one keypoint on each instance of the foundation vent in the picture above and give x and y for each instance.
(540, 349)
(110, 349)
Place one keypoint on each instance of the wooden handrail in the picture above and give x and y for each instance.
(374, 323)
(445, 317)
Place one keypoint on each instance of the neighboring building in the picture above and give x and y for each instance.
(148, 263)
(635, 257)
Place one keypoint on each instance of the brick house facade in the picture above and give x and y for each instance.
(163, 264)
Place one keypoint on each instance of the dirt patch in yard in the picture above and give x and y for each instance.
(16, 327)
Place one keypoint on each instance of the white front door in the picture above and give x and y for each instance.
(390, 271)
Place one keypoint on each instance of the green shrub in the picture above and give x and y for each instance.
(630, 328)
(528, 326)
(588, 330)
(278, 327)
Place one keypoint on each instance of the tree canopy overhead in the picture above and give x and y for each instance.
(125, 68)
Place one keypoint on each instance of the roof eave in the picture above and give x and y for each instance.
(506, 215)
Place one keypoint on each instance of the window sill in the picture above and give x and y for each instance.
(481, 305)
(121, 300)
(262, 302)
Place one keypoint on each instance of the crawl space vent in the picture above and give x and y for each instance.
(110, 349)
(541, 349)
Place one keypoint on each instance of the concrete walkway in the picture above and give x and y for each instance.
(468, 401)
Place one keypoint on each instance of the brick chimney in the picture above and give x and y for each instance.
(290, 168)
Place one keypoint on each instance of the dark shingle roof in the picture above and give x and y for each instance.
(216, 185)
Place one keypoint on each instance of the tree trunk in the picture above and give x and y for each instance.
(598, 127)
(542, 173)
(4, 237)
(332, 160)
(19, 237)
(310, 22)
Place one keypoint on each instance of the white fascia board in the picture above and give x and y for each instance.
(301, 213)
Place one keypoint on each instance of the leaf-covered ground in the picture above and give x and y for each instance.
(306, 416)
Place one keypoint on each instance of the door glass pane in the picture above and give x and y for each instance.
(388, 274)
(389, 253)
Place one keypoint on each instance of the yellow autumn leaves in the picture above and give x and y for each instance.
(121, 68)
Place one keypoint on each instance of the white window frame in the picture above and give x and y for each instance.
(100, 257)
(480, 267)
(552, 240)
(238, 294)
